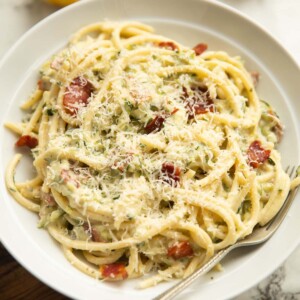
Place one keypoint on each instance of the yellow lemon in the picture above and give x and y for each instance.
(61, 2)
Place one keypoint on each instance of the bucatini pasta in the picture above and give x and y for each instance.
(149, 156)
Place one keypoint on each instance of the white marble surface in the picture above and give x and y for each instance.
(280, 17)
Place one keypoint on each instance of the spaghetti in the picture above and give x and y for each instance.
(149, 156)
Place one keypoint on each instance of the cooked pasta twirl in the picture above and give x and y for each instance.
(149, 156)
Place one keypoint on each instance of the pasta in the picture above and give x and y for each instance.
(149, 156)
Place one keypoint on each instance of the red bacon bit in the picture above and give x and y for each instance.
(40, 84)
(43, 85)
(255, 76)
(114, 271)
(257, 155)
(48, 199)
(200, 48)
(66, 175)
(180, 250)
(95, 235)
(170, 173)
(155, 125)
(168, 45)
(28, 141)
(56, 63)
(78, 92)
(277, 128)
(199, 102)
(175, 110)
(123, 163)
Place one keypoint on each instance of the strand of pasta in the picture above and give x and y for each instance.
(10, 183)
(113, 257)
(74, 213)
(95, 246)
(281, 182)
(36, 97)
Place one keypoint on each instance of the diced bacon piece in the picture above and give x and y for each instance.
(199, 102)
(28, 141)
(200, 48)
(94, 233)
(83, 82)
(77, 94)
(44, 85)
(155, 125)
(48, 199)
(56, 63)
(257, 155)
(255, 77)
(114, 271)
(277, 128)
(96, 237)
(122, 163)
(175, 110)
(168, 45)
(170, 173)
(180, 250)
(201, 108)
(66, 175)
(40, 84)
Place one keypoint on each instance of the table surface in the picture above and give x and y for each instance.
(281, 18)
(17, 283)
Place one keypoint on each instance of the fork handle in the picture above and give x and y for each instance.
(183, 284)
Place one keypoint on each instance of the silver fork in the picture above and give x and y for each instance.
(259, 235)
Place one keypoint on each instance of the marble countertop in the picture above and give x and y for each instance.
(279, 17)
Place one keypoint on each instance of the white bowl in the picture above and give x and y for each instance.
(189, 22)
